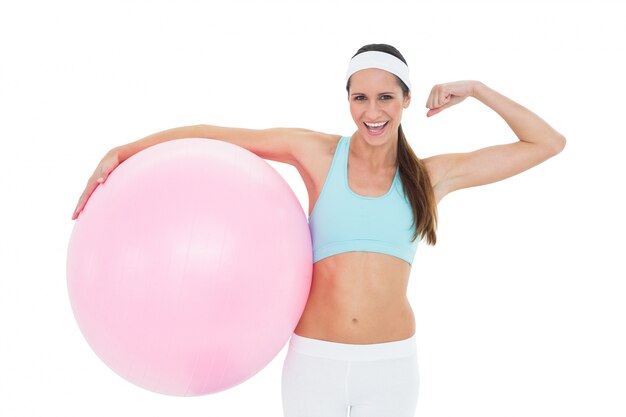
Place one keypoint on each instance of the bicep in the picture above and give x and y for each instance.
(456, 171)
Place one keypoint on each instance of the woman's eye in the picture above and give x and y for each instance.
(386, 97)
(359, 98)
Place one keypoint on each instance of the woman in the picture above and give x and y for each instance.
(370, 199)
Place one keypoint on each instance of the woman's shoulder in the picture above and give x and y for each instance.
(310, 145)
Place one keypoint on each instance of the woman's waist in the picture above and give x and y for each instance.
(356, 321)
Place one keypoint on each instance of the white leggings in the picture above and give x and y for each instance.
(328, 379)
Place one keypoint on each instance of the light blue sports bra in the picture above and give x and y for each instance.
(343, 221)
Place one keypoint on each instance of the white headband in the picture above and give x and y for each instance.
(380, 60)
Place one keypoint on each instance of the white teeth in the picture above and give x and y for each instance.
(375, 124)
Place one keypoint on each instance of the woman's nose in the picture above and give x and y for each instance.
(373, 109)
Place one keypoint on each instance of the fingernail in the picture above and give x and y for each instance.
(100, 179)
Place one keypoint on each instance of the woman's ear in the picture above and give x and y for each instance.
(407, 100)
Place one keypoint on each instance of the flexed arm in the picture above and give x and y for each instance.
(538, 141)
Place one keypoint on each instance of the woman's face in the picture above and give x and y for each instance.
(376, 104)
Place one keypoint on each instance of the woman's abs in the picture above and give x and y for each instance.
(357, 308)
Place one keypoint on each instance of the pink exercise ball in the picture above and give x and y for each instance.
(189, 268)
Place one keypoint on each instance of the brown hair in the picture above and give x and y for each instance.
(415, 180)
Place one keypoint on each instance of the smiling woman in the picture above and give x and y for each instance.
(371, 199)
(379, 89)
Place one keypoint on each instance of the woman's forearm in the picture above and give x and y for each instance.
(525, 124)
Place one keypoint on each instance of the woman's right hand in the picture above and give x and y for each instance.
(109, 162)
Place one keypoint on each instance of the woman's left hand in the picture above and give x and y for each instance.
(445, 95)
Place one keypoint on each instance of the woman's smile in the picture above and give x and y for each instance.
(376, 128)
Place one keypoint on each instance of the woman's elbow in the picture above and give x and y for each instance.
(557, 144)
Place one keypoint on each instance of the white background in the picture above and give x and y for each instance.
(519, 307)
